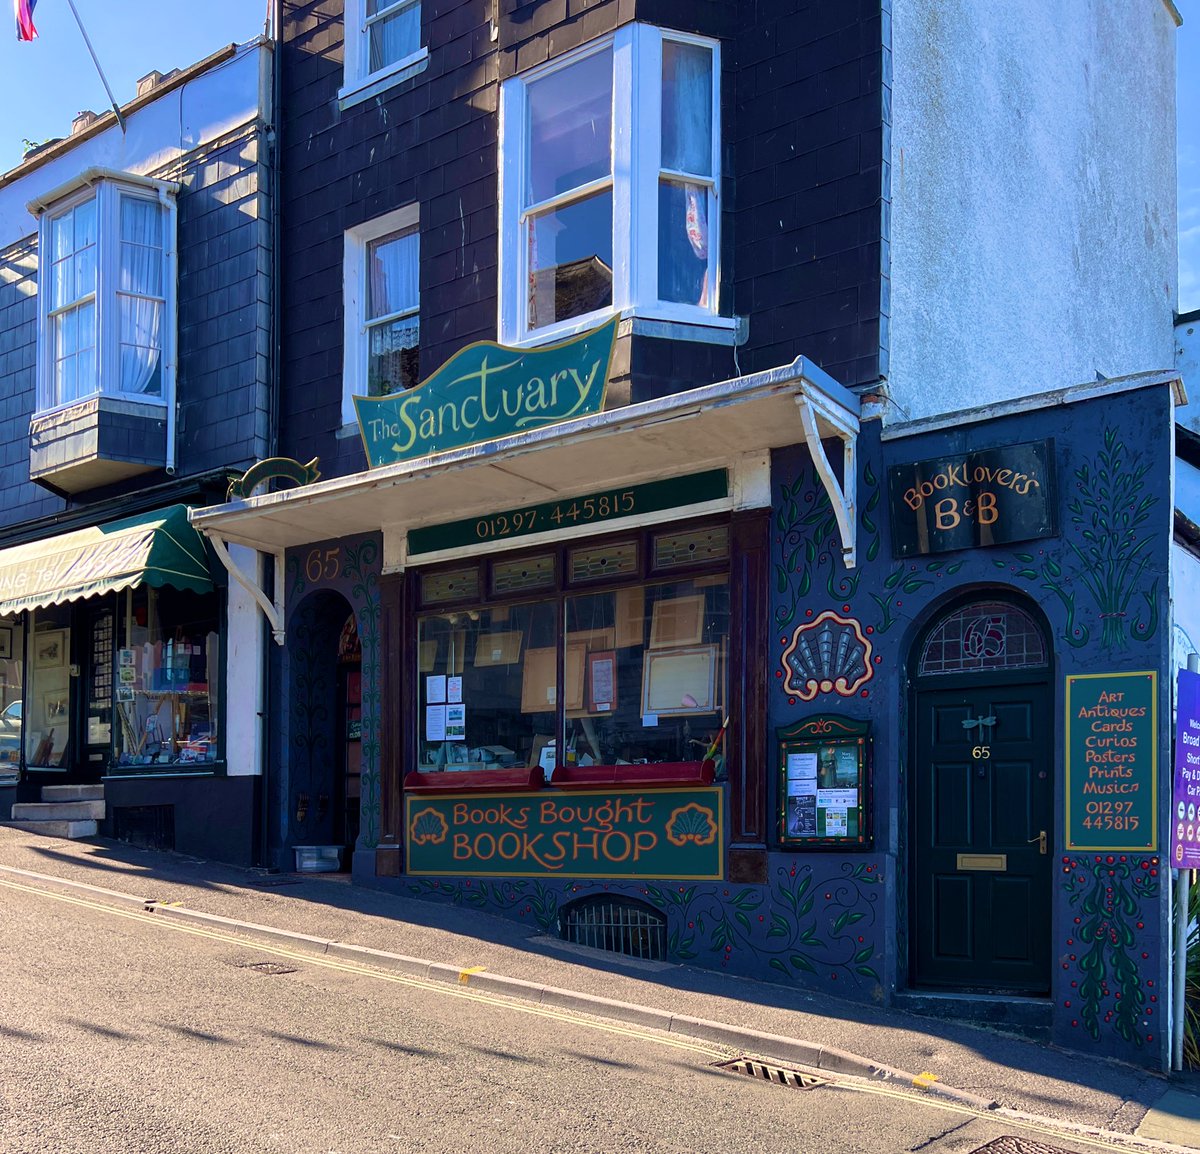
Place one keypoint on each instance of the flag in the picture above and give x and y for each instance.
(23, 10)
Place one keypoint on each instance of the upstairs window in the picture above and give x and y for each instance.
(383, 45)
(382, 313)
(106, 296)
(610, 186)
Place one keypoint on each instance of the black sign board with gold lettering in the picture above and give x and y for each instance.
(966, 500)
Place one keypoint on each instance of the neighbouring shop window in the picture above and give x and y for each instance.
(47, 709)
(167, 663)
(625, 662)
(12, 665)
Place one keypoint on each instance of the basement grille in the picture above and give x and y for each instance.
(621, 927)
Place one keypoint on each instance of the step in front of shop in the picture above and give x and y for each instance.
(70, 811)
(56, 828)
(1028, 1017)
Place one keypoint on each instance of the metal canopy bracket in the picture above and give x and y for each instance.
(842, 495)
(272, 607)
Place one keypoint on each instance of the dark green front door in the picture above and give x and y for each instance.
(982, 800)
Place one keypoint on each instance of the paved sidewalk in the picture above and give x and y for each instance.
(979, 1067)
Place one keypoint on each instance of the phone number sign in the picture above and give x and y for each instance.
(587, 509)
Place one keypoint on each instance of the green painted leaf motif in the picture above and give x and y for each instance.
(777, 964)
(747, 900)
(864, 954)
(779, 926)
(867, 972)
(742, 920)
(800, 962)
(781, 579)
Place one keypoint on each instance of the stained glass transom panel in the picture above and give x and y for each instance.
(982, 636)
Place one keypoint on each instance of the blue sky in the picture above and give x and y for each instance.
(44, 84)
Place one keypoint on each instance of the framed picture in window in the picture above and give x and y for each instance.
(680, 681)
(428, 651)
(677, 621)
(502, 648)
(602, 681)
(630, 616)
(50, 649)
(5, 643)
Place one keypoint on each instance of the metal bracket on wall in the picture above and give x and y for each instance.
(842, 494)
(272, 607)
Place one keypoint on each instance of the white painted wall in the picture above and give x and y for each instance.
(1033, 234)
(245, 701)
(225, 97)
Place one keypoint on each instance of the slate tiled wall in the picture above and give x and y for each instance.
(801, 253)
(223, 305)
(20, 498)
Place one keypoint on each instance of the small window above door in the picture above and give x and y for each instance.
(984, 635)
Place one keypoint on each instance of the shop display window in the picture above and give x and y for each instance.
(47, 712)
(617, 665)
(12, 666)
(167, 663)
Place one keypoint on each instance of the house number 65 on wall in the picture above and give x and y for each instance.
(323, 564)
(981, 752)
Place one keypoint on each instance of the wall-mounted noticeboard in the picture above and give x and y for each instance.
(825, 782)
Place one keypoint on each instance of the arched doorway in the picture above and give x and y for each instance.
(982, 792)
(348, 775)
(323, 699)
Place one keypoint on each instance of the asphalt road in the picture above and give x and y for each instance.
(127, 1033)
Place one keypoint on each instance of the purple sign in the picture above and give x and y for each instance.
(1185, 796)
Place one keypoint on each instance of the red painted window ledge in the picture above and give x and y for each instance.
(496, 780)
(665, 773)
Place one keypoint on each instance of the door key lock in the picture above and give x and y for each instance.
(1041, 841)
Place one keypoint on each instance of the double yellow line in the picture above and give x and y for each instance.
(463, 991)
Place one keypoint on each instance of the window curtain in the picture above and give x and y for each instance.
(139, 286)
(395, 36)
(392, 284)
(687, 138)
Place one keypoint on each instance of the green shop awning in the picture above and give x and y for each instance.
(158, 548)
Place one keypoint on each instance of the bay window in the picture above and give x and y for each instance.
(609, 186)
(107, 293)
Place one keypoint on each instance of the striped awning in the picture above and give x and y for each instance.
(158, 548)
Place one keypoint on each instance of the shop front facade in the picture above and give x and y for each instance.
(136, 374)
(721, 553)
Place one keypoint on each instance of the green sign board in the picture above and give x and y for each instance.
(580, 834)
(1112, 761)
(568, 512)
(487, 391)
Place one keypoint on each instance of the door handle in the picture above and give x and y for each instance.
(1041, 841)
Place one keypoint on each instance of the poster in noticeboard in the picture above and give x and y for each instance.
(824, 782)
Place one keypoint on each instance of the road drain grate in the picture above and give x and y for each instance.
(1011, 1144)
(266, 967)
(800, 1079)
